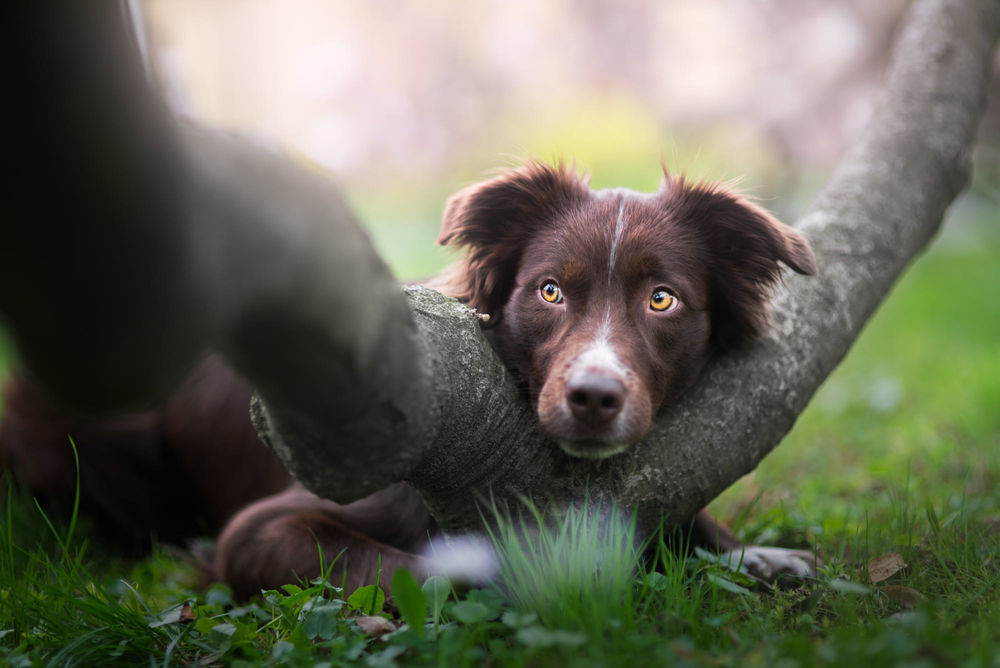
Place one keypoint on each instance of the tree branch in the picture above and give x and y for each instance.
(192, 239)
(883, 204)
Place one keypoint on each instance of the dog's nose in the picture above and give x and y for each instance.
(595, 399)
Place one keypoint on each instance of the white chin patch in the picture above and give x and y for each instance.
(591, 449)
(770, 563)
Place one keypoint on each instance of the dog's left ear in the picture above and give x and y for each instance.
(742, 245)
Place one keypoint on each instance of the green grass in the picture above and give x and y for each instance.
(898, 454)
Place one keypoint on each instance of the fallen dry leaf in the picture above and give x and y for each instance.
(904, 596)
(885, 566)
(375, 626)
(187, 614)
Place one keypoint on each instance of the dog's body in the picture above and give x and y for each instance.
(605, 306)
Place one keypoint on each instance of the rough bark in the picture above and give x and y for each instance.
(248, 253)
(883, 204)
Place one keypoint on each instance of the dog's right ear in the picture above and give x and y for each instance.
(493, 220)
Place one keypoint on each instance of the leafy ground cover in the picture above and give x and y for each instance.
(893, 473)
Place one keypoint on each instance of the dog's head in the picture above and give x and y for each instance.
(607, 304)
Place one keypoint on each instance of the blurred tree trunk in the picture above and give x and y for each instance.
(133, 244)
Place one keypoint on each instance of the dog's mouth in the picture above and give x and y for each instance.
(591, 448)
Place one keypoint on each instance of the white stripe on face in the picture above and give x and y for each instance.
(619, 228)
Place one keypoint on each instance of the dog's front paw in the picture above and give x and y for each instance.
(771, 564)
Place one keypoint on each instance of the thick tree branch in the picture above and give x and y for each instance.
(190, 239)
(309, 313)
(885, 201)
(89, 281)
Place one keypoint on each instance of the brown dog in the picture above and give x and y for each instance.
(605, 306)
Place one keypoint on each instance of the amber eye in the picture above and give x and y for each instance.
(551, 293)
(662, 300)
